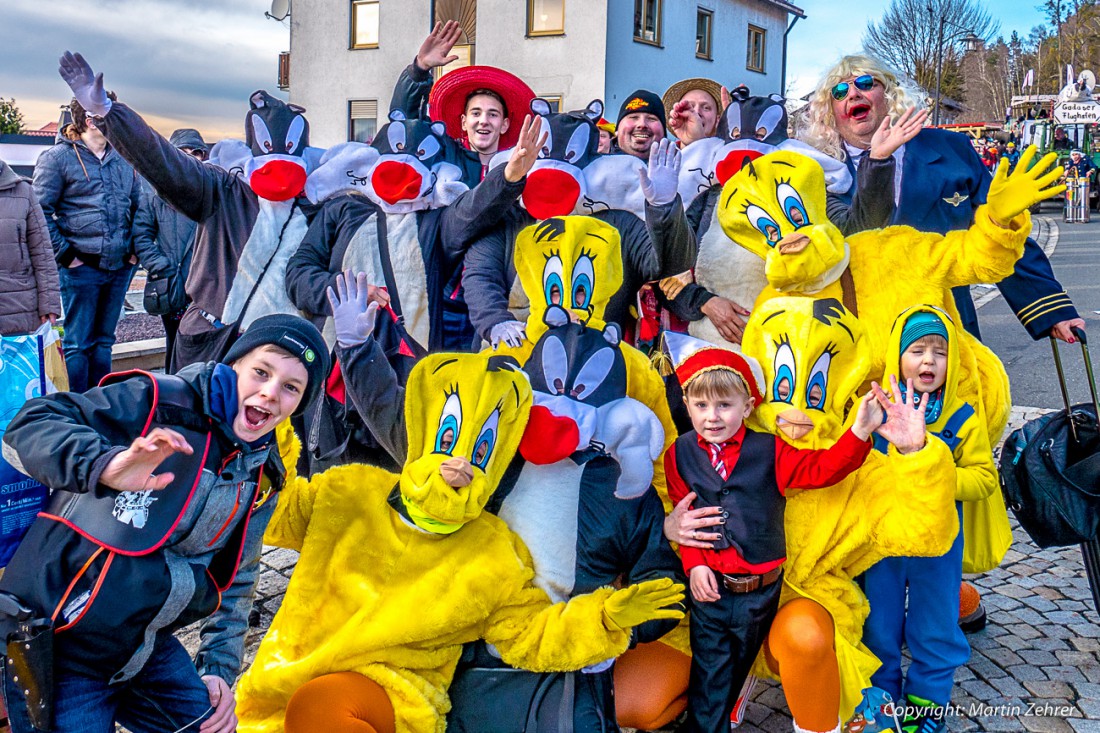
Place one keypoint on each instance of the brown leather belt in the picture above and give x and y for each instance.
(749, 583)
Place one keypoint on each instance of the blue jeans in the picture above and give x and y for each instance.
(166, 696)
(929, 626)
(93, 302)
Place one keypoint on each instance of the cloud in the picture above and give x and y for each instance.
(179, 62)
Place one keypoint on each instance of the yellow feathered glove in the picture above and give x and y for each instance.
(636, 604)
(1011, 194)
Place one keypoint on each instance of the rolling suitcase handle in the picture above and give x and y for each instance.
(1079, 334)
(1090, 551)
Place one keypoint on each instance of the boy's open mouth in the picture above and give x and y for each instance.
(255, 417)
(927, 377)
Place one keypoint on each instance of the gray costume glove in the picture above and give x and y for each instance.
(352, 316)
(87, 85)
(660, 181)
(510, 332)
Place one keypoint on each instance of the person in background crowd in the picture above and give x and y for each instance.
(607, 134)
(89, 195)
(989, 155)
(693, 108)
(163, 239)
(1061, 140)
(1079, 165)
(29, 291)
(641, 123)
(482, 106)
(1012, 155)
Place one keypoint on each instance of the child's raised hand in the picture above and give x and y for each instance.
(704, 586)
(904, 426)
(132, 469)
(869, 416)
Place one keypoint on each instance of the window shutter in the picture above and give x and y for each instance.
(364, 109)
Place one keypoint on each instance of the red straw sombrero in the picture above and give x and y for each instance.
(447, 102)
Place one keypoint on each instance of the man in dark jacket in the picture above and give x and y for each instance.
(89, 195)
(163, 487)
(162, 240)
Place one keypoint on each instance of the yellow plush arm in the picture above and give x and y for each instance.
(920, 519)
(295, 507)
(644, 384)
(975, 471)
(984, 253)
(532, 633)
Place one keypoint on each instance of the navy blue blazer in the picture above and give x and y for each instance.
(943, 182)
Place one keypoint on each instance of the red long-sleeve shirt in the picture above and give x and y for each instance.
(794, 469)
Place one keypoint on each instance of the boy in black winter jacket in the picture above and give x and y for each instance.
(163, 487)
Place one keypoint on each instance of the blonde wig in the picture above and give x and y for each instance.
(818, 127)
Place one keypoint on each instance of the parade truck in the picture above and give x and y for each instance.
(1074, 111)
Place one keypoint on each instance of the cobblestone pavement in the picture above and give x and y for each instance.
(1036, 667)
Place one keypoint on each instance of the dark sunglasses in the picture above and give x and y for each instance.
(862, 83)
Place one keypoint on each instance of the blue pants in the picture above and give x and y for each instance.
(166, 696)
(929, 626)
(93, 302)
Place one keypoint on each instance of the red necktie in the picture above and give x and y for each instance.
(716, 460)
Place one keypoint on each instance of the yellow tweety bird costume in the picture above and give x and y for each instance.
(374, 593)
(815, 355)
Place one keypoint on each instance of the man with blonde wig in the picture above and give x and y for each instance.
(937, 180)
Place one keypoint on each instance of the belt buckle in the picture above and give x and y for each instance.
(745, 584)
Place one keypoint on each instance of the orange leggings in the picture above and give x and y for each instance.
(651, 683)
(800, 648)
(651, 680)
(343, 702)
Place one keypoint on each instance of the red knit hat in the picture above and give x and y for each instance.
(447, 102)
(690, 357)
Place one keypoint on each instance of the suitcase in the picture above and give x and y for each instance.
(1050, 473)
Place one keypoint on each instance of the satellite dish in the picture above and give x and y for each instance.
(280, 9)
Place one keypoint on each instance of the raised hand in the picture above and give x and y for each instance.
(892, 134)
(660, 179)
(526, 152)
(355, 306)
(511, 333)
(685, 123)
(869, 416)
(132, 469)
(87, 86)
(904, 426)
(436, 47)
(636, 604)
(1011, 194)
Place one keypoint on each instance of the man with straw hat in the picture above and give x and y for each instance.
(693, 107)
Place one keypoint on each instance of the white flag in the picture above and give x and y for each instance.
(1029, 79)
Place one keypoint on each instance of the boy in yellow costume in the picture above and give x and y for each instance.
(397, 572)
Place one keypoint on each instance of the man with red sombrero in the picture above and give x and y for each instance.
(482, 106)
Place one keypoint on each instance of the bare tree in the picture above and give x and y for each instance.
(908, 38)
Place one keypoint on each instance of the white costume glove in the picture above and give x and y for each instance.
(660, 181)
(352, 316)
(511, 333)
(87, 85)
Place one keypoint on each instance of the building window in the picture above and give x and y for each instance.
(703, 21)
(545, 17)
(362, 120)
(465, 13)
(554, 100)
(364, 23)
(757, 39)
(647, 21)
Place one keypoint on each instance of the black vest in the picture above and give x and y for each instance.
(750, 499)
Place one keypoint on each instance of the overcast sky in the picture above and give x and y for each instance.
(193, 63)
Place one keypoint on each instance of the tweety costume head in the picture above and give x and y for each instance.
(465, 417)
(573, 262)
(815, 355)
(775, 207)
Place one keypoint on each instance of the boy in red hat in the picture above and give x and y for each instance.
(482, 106)
(736, 585)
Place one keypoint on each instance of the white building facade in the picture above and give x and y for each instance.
(345, 55)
